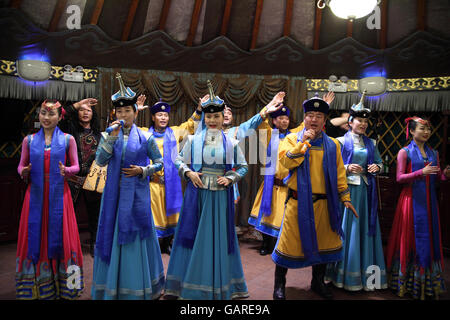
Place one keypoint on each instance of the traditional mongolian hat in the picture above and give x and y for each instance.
(359, 110)
(316, 104)
(283, 111)
(214, 103)
(160, 106)
(125, 96)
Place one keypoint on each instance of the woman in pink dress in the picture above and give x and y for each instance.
(414, 253)
(49, 260)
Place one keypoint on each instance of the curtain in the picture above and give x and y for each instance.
(245, 94)
(406, 101)
(17, 88)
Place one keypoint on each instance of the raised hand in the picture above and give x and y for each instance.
(223, 181)
(202, 100)
(195, 178)
(132, 171)
(349, 206)
(62, 169)
(140, 102)
(276, 102)
(328, 97)
(88, 101)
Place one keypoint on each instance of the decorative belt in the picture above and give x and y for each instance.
(315, 196)
(157, 179)
(278, 182)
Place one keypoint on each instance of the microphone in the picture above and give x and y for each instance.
(305, 147)
(115, 126)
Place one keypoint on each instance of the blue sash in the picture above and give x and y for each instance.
(172, 182)
(305, 208)
(56, 195)
(269, 172)
(190, 215)
(426, 243)
(347, 156)
(126, 199)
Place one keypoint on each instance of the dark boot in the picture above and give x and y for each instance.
(317, 283)
(165, 245)
(264, 250)
(280, 283)
(92, 245)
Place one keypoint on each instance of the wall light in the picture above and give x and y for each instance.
(33, 70)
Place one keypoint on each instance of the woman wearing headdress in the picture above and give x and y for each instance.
(49, 261)
(205, 262)
(414, 254)
(362, 246)
(127, 263)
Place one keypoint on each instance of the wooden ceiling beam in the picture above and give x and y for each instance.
(259, 7)
(97, 11)
(129, 23)
(383, 31)
(15, 4)
(226, 18)
(164, 15)
(288, 18)
(349, 28)
(317, 24)
(57, 13)
(194, 22)
(421, 18)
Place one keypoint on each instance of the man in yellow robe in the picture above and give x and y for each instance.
(165, 185)
(311, 229)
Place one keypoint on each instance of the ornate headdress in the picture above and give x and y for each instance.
(358, 110)
(53, 105)
(214, 103)
(316, 104)
(125, 96)
(417, 119)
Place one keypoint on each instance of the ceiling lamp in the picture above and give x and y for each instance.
(349, 9)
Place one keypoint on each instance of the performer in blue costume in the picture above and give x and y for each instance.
(362, 246)
(128, 262)
(246, 129)
(205, 262)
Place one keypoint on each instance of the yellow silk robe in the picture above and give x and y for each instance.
(288, 251)
(271, 224)
(165, 226)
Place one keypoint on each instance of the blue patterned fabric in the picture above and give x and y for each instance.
(134, 270)
(56, 199)
(360, 249)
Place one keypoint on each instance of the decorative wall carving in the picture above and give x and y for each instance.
(156, 50)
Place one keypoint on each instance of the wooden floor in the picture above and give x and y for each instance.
(258, 270)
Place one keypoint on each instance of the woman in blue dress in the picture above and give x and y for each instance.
(127, 262)
(362, 247)
(205, 263)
